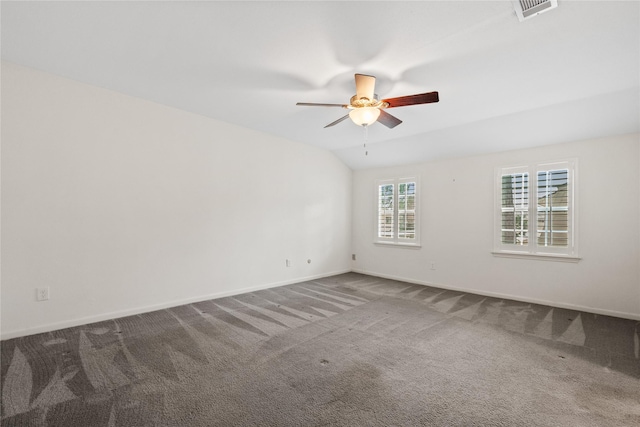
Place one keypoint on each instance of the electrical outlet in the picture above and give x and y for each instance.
(288, 263)
(433, 265)
(42, 294)
(353, 257)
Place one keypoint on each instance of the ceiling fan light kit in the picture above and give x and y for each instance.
(364, 116)
(366, 109)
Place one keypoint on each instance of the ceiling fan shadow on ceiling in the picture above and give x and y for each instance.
(366, 109)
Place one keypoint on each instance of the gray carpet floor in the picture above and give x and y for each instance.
(348, 350)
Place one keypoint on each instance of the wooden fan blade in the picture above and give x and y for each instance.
(313, 104)
(422, 98)
(337, 121)
(365, 85)
(388, 120)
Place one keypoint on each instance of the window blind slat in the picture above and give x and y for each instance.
(385, 210)
(553, 207)
(515, 209)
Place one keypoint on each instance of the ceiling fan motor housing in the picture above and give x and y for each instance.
(356, 102)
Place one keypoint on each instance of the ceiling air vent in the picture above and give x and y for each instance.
(526, 9)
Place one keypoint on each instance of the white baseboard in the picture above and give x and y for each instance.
(146, 309)
(594, 310)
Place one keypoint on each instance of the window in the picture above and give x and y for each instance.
(397, 221)
(536, 210)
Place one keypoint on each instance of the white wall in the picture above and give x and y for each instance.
(120, 205)
(457, 221)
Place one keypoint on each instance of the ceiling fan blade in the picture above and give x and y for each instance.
(388, 120)
(365, 86)
(313, 104)
(422, 98)
(337, 121)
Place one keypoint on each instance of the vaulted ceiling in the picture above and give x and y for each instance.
(571, 73)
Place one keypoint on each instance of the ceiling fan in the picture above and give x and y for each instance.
(366, 109)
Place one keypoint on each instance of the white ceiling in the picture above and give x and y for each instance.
(569, 74)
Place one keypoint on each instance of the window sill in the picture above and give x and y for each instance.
(399, 245)
(537, 256)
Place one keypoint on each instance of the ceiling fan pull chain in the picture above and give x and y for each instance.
(366, 137)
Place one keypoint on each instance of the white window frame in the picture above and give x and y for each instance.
(532, 249)
(396, 240)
